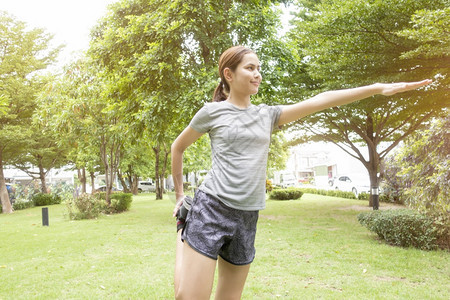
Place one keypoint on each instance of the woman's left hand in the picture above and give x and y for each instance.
(388, 89)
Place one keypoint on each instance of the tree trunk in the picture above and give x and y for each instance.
(6, 204)
(106, 166)
(92, 182)
(133, 180)
(158, 187)
(122, 181)
(42, 179)
(373, 164)
(373, 202)
(82, 179)
(134, 184)
(108, 185)
(164, 168)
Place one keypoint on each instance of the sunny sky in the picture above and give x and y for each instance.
(69, 20)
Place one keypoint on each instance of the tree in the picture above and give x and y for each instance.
(353, 43)
(137, 162)
(22, 53)
(424, 163)
(278, 153)
(84, 112)
(41, 150)
(197, 157)
(43, 153)
(164, 56)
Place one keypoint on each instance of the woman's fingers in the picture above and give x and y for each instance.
(394, 88)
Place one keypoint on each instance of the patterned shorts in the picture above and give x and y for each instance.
(214, 229)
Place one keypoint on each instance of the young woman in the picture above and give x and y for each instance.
(220, 225)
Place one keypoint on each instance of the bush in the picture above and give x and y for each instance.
(286, 194)
(331, 193)
(42, 199)
(340, 194)
(269, 186)
(120, 202)
(421, 170)
(22, 204)
(363, 196)
(402, 227)
(86, 206)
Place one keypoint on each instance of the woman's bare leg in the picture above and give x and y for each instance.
(231, 280)
(178, 261)
(194, 273)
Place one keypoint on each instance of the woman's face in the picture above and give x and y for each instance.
(247, 77)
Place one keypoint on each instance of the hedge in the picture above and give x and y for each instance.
(403, 227)
(42, 199)
(286, 194)
(120, 202)
(331, 193)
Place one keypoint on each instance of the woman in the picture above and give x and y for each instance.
(220, 226)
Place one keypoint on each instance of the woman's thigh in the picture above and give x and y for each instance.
(231, 280)
(196, 275)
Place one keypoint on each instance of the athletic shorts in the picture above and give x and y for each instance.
(214, 229)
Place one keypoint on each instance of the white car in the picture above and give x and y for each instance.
(288, 180)
(146, 186)
(344, 183)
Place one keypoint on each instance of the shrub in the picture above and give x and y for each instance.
(42, 199)
(120, 202)
(269, 186)
(402, 227)
(86, 206)
(340, 194)
(22, 204)
(101, 195)
(331, 193)
(186, 185)
(422, 170)
(363, 196)
(286, 194)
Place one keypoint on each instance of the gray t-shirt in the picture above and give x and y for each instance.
(240, 141)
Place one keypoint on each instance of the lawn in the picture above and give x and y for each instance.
(313, 248)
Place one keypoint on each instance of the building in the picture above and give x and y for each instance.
(319, 163)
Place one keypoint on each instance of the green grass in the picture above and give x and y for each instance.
(313, 248)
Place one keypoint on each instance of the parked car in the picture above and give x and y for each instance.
(146, 186)
(344, 183)
(288, 180)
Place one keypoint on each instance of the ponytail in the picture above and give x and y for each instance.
(220, 93)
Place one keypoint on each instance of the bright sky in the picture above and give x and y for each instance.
(70, 21)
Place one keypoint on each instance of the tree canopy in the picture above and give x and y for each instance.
(23, 52)
(163, 56)
(351, 43)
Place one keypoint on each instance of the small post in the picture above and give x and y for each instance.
(375, 198)
(45, 216)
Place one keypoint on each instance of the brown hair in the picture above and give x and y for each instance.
(229, 59)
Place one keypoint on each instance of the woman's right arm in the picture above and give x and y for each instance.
(184, 140)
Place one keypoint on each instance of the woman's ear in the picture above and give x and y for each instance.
(228, 74)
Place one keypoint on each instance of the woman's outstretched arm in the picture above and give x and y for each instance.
(329, 99)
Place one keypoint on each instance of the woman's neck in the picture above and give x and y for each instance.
(241, 102)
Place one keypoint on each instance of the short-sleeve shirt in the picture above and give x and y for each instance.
(240, 139)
